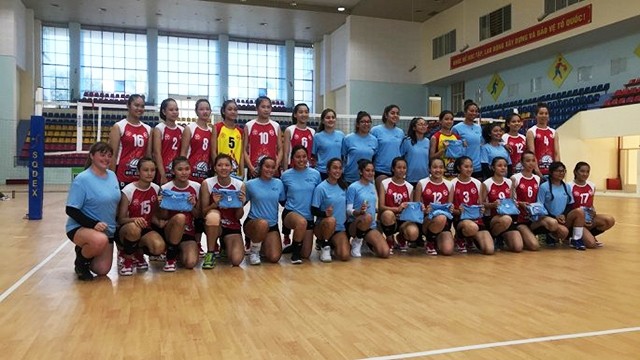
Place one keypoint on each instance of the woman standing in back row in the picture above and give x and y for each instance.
(327, 141)
(198, 143)
(167, 140)
(543, 141)
(389, 138)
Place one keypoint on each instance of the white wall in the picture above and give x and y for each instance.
(338, 57)
(384, 50)
(464, 17)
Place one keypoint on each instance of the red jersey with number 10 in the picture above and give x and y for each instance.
(263, 139)
(134, 140)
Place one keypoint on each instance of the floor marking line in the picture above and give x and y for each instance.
(26, 276)
(506, 343)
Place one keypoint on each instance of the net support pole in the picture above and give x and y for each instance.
(36, 167)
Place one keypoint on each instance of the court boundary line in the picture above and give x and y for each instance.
(505, 343)
(31, 272)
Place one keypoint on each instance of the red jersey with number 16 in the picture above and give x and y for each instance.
(134, 140)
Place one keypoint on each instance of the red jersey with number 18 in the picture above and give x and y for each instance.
(395, 194)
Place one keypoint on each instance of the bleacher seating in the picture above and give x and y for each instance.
(629, 94)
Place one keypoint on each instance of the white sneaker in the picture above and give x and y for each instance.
(254, 258)
(356, 245)
(325, 254)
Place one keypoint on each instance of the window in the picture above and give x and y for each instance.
(618, 66)
(495, 23)
(536, 84)
(303, 76)
(444, 44)
(55, 63)
(457, 97)
(188, 68)
(113, 62)
(256, 69)
(584, 74)
(551, 6)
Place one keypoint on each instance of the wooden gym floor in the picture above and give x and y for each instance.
(553, 304)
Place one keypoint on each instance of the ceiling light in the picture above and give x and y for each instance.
(263, 24)
(341, 8)
(102, 9)
(293, 3)
(54, 5)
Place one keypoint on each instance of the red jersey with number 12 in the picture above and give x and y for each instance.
(518, 144)
(134, 140)
(435, 192)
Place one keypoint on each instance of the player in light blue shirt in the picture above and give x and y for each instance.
(415, 149)
(556, 196)
(362, 200)
(389, 137)
(264, 194)
(299, 183)
(327, 141)
(493, 148)
(328, 204)
(358, 145)
(471, 134)
(92, 206)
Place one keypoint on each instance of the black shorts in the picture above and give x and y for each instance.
(71, 233)
(226, 231)
(275, 227)
(285, 212)
(378, 173)
(198, 225)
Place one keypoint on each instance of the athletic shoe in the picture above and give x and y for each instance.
(430, 248)
(356, 246)
(391, 243)
(201, 251)
(420, 242)
(318, 247)
(254, 258)
(169, 265)
(578, 244)
(461, 246)
(550, 240)
(498, 243)
(127, 267)
(216, 248)
(471, 245)
(209, 261)
(286, 241)
(325, 254)
(247, 246)
(161, 257)
(403, 245)
(139, 261)
(296, 259)
(120, 258)
(83, 272)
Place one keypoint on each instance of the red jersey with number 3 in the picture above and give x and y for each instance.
(170, 142)
(396, 194)
(544, 140)
(582, 194)
(526, 190)
(228, 217)
(302, 137)
(263, 140)
(496, 192)
(199, 152)
(435, 192)
(141, 201)
(134, 140)
(467, 193)
(518, 144)
(194, 189)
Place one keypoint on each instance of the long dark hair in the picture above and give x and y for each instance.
(486, 131)
(507, 129)
(579, 164)
(552, 168)
(324, 113)
(296, 148)
(395, 161)
(343, 184)
(144, 160)
(458, 163)
(224, 106)
(361, 114)
(99, 147)
(386, 111)
(411, 133)
(163, 107)
(294, 119)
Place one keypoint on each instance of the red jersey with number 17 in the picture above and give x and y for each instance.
(199, 153)
(582, 194)
(141, 201)
(263, 139)
(134, 140)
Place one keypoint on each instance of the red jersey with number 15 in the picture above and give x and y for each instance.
(134, 140)
(141, 201)
(263, 139)
(199, 153)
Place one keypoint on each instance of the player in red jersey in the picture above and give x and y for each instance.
(543, 141)
(139, 225)
(223, 223)
(583, 192)
(262, 137)
(525, 187)
(435, 189)
(466, 190)
(167, 140)
(515, 142)
(130, 139)
(198, 143)
(298, 134)
(494, 189)
(394, 194)
(179, 227)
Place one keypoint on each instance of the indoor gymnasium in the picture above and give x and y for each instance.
(320, 179)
